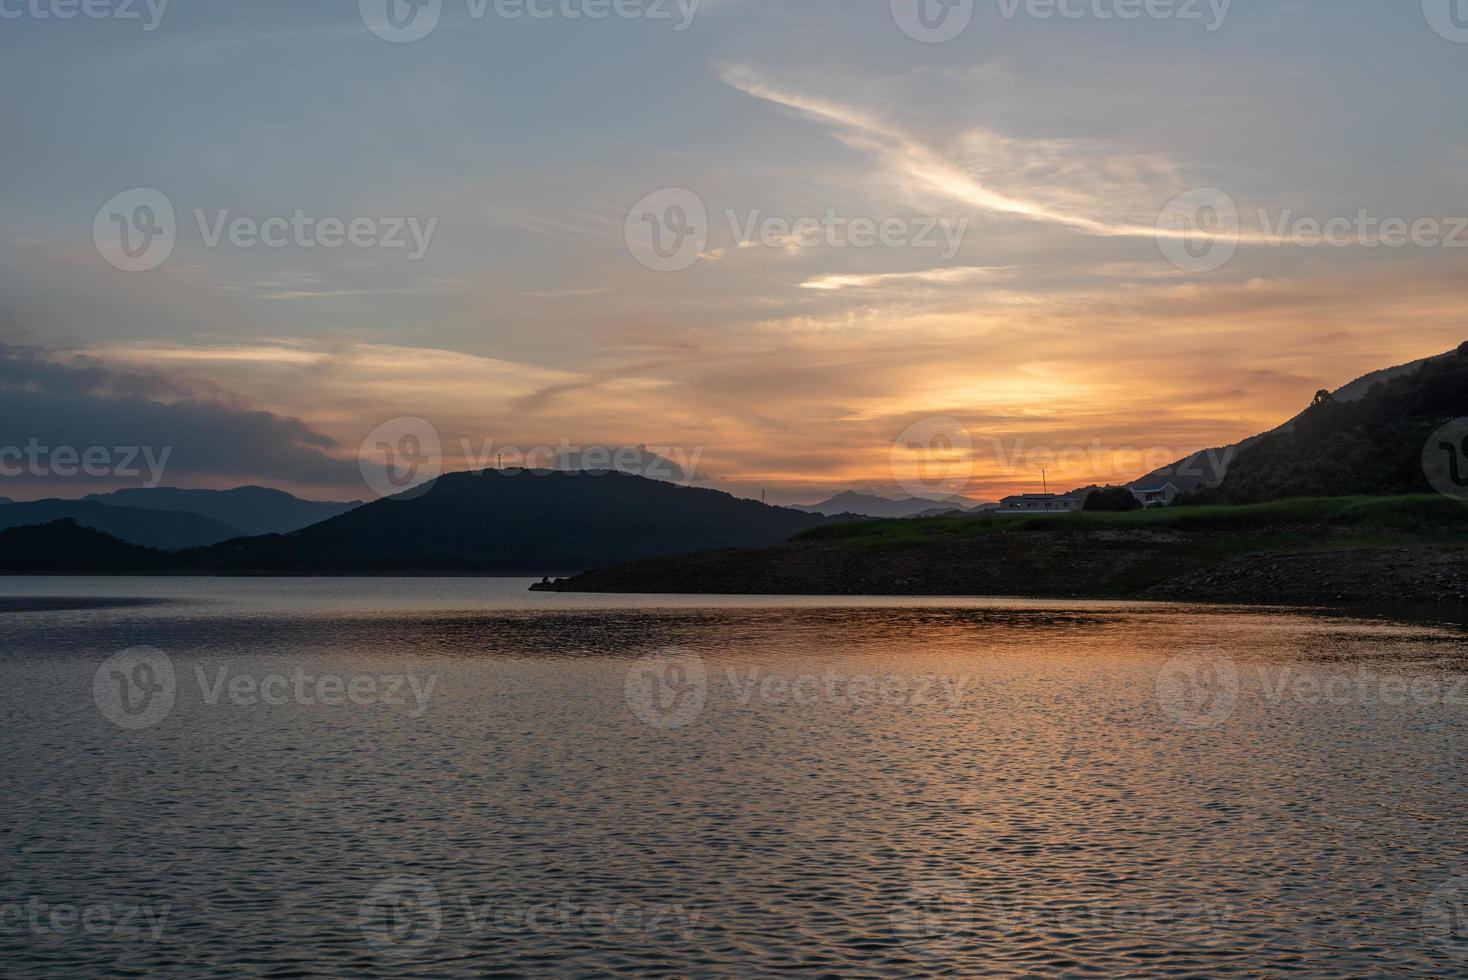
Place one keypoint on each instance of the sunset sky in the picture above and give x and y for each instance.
(1054, 144)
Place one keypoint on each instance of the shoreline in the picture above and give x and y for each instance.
(1318, 569)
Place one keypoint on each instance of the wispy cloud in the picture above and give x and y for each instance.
(941, 276)
(914, 163)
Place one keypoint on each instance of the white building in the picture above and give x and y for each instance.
(1039, 504)
(1156, 496)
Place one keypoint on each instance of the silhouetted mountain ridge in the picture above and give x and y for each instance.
(1369, 442)
(1208, 472)
(65, 546)
(516, 521)
(167, 530)
(860, 504)
(250, 509)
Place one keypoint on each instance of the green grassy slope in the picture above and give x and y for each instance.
(1431, 516)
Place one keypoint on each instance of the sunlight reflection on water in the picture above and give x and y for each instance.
(561, 785)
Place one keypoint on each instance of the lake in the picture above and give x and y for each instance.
(457, 777)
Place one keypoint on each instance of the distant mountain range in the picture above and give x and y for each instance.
(871, 505)
(169, 530)
(492, 522)
(249, 510)
(170, 519)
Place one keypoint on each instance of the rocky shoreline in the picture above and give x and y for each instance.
(1097, 564)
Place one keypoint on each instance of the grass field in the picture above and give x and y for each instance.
(1363, 520)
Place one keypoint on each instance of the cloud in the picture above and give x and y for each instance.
(1066, 183)
(938, 276)
(810, 400)
(55, 400)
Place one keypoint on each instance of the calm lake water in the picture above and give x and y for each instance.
(429, 777)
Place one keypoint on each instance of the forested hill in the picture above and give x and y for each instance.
(1373, 445)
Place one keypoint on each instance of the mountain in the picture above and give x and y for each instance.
(516, 521)
(942, 511)
(870, 505)
(252, 510)
(5, 500)
(66, 546)
(1370, 442)
(166, 530)
(1338, 462)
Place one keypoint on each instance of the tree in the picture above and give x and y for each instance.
(1112, 499)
